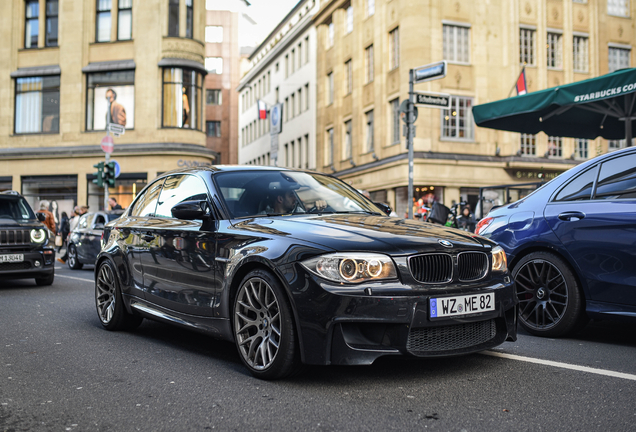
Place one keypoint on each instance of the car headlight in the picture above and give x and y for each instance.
(38, 235)
(499, 260)
(352, 267)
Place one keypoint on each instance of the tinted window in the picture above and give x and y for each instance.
(179, 188)
(145, 205)
(617, 178)
(100, 219)
(579, 189)
(15, 208)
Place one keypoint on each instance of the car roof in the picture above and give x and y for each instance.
(215, 169)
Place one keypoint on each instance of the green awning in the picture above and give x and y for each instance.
(585, 109)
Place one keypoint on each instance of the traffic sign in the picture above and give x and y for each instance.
(429, 72)
(275, 117)
(117, 167)
(432, 100)
(116, 129)
(107, 144)
(404, 109)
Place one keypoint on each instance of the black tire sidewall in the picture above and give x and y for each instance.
(118, 321)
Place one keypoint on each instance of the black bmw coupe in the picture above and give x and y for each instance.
(297, 267)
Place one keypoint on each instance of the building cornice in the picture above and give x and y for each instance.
(145, 149)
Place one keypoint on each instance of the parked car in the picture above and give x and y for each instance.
(570, 245)
(298, 267)
(84, 242)
(26, 245)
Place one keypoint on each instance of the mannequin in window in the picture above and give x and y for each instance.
(186, 109)
(117, 111)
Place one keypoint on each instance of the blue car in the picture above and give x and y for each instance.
(571, 245)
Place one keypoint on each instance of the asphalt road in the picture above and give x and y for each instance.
(60, 371)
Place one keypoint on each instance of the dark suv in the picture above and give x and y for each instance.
(26, 245)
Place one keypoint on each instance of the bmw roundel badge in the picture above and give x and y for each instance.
(445, 243)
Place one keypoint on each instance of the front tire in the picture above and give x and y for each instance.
(551, 302)
(264, 330)
(108, 300)
(73, 261)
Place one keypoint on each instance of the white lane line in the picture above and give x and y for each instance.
(562, 365)
(74, 278)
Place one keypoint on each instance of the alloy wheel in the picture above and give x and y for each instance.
(257, 323)
(105, 294)
(72, 256)
(542, 293)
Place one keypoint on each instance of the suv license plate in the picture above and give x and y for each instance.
(12, 258)
(461, 305)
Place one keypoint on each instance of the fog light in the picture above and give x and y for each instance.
(37, 263)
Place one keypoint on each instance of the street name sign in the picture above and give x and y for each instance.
(429, 72)
(432, 100)
(116, 129)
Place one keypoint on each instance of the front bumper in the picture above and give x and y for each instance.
(37, 263)
(355, 329)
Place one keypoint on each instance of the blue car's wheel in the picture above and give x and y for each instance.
(550, 299)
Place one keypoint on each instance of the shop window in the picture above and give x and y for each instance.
(59, 191)
(31, 24)
(213, 97)
(457, 122)
(37, 105)
(6, 183)
(213, 128)
(127, 186)
(173, 18)
(110, 98)
(189, 19)
(51, 23)
(103, 21)
(124, 20)
(181, 98)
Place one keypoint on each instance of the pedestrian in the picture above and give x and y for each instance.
(49, 220)
(113, 204)
(466, 221)
(77, 212)
(65, 228)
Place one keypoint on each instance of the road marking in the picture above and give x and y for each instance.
(562, 365)
(75, 278)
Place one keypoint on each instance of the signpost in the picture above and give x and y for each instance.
(432, 100)
(418, 75)
(276, 127)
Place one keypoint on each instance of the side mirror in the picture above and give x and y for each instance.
(41, 216)
(190, 210)
(385, 208)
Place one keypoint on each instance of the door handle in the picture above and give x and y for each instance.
(571, 216)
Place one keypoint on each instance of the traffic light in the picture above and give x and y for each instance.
(99, 175)
(109, 174)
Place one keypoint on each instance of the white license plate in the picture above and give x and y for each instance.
(12, 258)
(461, 305)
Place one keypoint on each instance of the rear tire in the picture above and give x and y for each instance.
(73, 261)
(45, 280)
(551, 302)
(111, 310)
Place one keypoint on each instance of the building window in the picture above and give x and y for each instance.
(394, 48)
(395, 120)
(214, 34)
(31, 24)
(37, 105)
(329, 88)
(555, 147)
(368, 63)
(349, 23)
(527, 46)
(189, 19)
(173, 18)
(329, 148)
(616, 145)
(331, 34)
(555, 49)
(618, 58)
(348, 77)
(286, 65)
(456, 44)
(214, 65)
(580, 52)
(369, 131)
(307, 50)
(124, 20)
(110, 98)
(51, 23)
(528, 145)
(102, 21)
(213, 128)
(306, 97)
(370, 7)
(181, 98)
(457, 122)
(618, 7)
(348, 154)
(213, 97)
(581, 148)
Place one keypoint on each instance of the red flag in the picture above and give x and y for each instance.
(521, 83)
(262, 109)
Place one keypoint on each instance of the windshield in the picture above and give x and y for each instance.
(15, 208)
(251, 193)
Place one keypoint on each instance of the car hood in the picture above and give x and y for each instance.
(23, 223)
(354, 232)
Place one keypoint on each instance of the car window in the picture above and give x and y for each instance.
(15, 208)
(579, 189)
(179, 188)
(617, 178)
(146, 204)
(100, 219)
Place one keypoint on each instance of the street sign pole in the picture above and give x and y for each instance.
(106, 185)
(409, 143)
